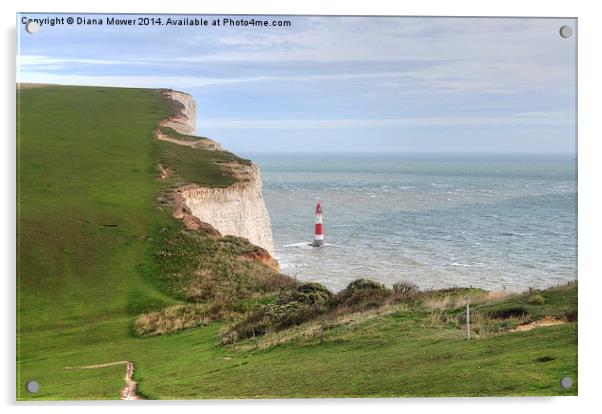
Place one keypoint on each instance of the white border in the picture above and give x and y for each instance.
(590, 275)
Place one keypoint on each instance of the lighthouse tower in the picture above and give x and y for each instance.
(318, 234)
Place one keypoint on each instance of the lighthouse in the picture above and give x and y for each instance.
(318, 234)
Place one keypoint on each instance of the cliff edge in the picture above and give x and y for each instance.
(238, 209)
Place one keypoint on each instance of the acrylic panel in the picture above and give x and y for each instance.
(220, 207)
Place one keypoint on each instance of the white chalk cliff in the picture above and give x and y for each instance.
(237, 210)
(184, 121)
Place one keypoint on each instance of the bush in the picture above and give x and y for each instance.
(537, 300)
(362, 294)
(298, 306)
(504, 312)
(405, 291)
(311, 294)
(363, 284)
(571, 315)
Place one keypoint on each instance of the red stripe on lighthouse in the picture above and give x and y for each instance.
(319, 230)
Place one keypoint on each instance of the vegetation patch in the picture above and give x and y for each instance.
(505, 311)
(171, 133)
(364, 299)
(559, 302)
(537, 299)
(312, 300)
(405, 291)
(196, 165)
(196, 267)
(362, 294)
(172, 319)
(302, 304)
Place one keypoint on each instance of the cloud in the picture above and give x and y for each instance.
(26, 75)
(542, 118)
(24, 61)
(438, 77)
(453, 55)
(344, 73)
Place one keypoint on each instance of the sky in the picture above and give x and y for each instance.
(338, 84)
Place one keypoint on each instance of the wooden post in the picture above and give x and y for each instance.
(254, 338)
(467, 319)
(322, 333)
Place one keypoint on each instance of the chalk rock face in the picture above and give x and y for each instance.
(238, 210)
(184, 121)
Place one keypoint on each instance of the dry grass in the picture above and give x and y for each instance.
(483, 325)
(222, 277)
(450, 310)
(196, 267)
(492, 313)
(306, 302)
(441, 303)
(172, 319)
(456, 301)
(362, 297)
(310, 331)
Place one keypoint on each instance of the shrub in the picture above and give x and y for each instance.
(484, 326)
(505, 312)
(362, 294)
(363, 284)
(405, 291)
(537, 300)
(311, 294)
(297, 306)
(571, 315)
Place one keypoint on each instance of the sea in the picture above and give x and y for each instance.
(499, 222)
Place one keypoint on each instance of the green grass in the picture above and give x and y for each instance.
(87, 158)
(196, 267)
(170, 132)
(198, 166)
(559, 302)
(204, 270)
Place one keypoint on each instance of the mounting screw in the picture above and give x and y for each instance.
(32, 386)
(566, 31)
(566, 382)
(32, 27)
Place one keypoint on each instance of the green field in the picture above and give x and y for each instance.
(89, 226)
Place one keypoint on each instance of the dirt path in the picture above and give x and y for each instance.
(129, 390)
(202, 143)
(108, 364)
(538, 324)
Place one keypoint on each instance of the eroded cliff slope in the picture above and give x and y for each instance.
(238, 209)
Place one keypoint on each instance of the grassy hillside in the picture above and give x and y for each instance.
(92, 244)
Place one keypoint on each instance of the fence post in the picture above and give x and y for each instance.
(254, 338)
(467, 319)
(322, 333)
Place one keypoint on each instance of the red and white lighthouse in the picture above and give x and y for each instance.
(319, 232)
